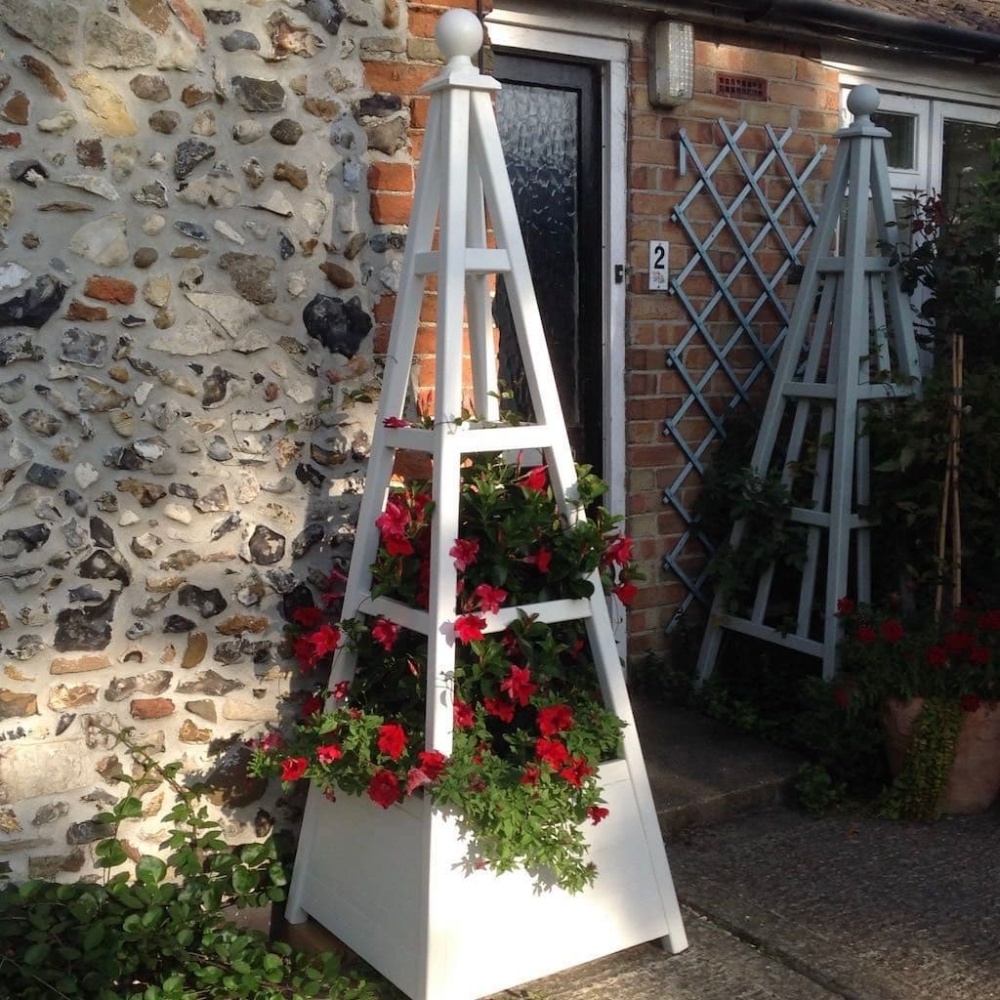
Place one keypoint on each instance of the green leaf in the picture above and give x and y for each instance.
(150, 870)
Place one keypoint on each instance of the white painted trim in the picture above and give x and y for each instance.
(592, 39)
(941, 81)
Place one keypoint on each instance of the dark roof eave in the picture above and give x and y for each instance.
(826, 19)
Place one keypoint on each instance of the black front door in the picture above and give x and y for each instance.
(550, 129)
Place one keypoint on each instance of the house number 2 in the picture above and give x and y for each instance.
(659, 265)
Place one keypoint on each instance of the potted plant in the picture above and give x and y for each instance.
(530, 730)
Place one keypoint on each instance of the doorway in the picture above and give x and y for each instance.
(549, 116)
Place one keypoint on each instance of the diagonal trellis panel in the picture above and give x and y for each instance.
(748, 224)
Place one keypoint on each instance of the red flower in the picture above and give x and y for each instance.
(469, 628)
(892, 630)
(576, 771)
(842, 695)
(845, 607)
(308, 617)
(464, 552)
(392, 740)
(958, 642)
(395, 422)
(501, 708)
(416, 778)
(554, 719)
(536, 480)
(398, 545)
(619, 550)
(340, 690)
(979, 656)
(530, 774)
(292, 768)
(305, 653)
(325, 639)
(551, 752)
(541, 560)
(384, 789)
(596, 813)
(329, 753)
(937, 656)
(625, 592)
(517, 685)
(463, 715)
(867, 635)
(432, 763)
(490, 598)
(395, 519)
(385, 633)
(271, 742)
(970, 702)
(312, 705)
(989, 621)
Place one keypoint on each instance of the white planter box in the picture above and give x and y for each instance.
(439, 932)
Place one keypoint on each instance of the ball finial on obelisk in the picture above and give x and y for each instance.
(459, 35)
(863, 101)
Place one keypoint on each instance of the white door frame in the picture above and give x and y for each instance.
(582, 37)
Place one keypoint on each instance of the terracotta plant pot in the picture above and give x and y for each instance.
(974, 781)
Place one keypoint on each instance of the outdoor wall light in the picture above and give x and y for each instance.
(670, 51)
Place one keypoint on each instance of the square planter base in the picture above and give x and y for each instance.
(394, 887)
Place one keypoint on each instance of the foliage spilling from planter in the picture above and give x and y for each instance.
(530, 729)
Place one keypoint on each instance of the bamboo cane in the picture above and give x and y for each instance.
(950, 516)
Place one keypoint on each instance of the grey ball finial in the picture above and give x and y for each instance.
(459, 33)
(863, 101)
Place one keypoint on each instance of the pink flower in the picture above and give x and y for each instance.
(469, 628)
(464, 552)
(518, 686)
(490, 598)
(271, 742)
(395, 422)
(554, 719)
(392, 740)
(329, 753)
(385, 633)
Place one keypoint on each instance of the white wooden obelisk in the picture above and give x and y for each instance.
(392, 885)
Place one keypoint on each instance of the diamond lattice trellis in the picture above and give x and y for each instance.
(748, 225)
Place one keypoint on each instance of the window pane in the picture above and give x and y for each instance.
(900, 150)
(965, 156)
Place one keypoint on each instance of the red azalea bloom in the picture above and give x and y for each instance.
(530, 774)
(625, 592)
(937, 656)
(518, 686)
(395, 519)
(958, 642)
(340, 690)
(432, 763)
(463, 715)
(385, 633)
(970, 702)
(554, 719)
(308, 617)
(384, 788)
(979, 656)
(398, 545)
(395, 422)
(576, 771)
(551, 752)
(312, 705)
(867, 635)
(541, 560)
(305, 653)
(989, 621)
(292, 768)
(469, 628)
(619, 551)
(329, 753)
(501, 708)
(392, 740)
(490, 598)
(892, 630)
(845, 607)
(596, 813)
(464, 552)
(536, 480)
(325, 639)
